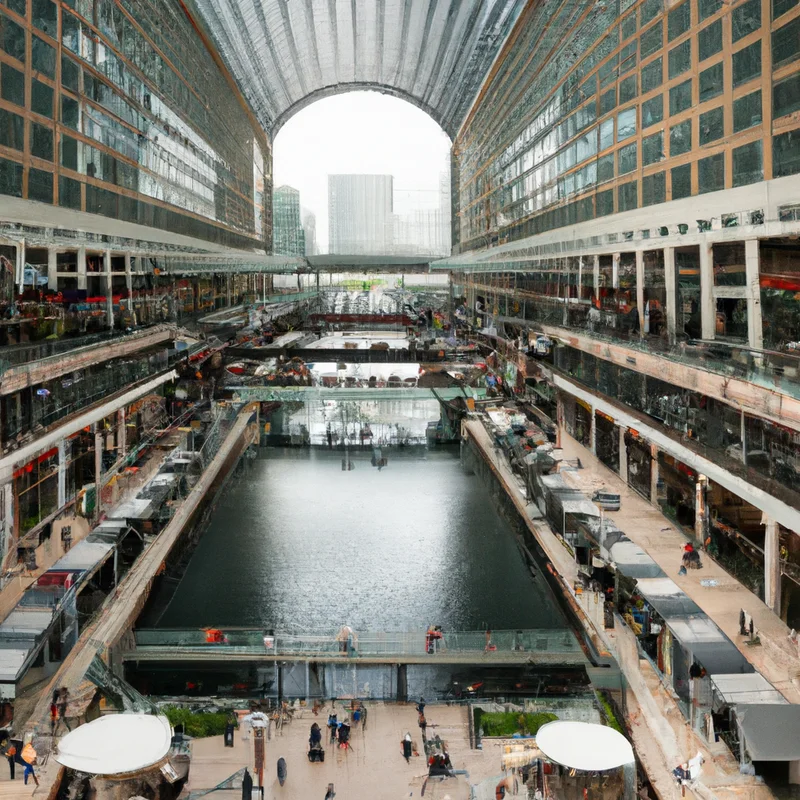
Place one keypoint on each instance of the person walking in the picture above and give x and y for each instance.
(423, 726)
(488, 640)
(407, 749)
(54, 713)
(62, 705)
(421, 706)
(330, 794)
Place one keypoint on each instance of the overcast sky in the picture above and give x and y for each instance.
(361, 132)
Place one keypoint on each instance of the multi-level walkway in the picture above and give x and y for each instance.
(545, 647)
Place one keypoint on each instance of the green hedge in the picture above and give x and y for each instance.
(195, 724)
(507, 723)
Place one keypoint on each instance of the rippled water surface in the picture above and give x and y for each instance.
(297, 544)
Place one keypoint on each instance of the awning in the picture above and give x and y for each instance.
(751, 689)
(116, 744)
(584, 745)
(667, 598)
(770, 732)
(633, 562)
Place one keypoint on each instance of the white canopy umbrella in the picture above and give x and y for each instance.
(117, 744)
(584, 745)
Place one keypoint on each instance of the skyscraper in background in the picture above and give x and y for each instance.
(360, 218)
(309, 222)
(288, 237)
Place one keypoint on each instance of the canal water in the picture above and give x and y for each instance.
(296, 544)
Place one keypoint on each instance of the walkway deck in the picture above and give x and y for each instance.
(536, 647)
(777, 660)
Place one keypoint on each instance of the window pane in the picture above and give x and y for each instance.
(626, 159)
(786, 95)
(628, 26)
(651, 40)
(608, 100)
(605, 168)
(747, 64)
(706, 8)
(747, 164)
(650, 9)
(45, 16)
(626, 196)
(678, 21)
(654, 189)
(69, 193)
(786, 43)
(680, 138)
(711, 173)
(12, 38)
(41, 141)
(747, 111)
(652, 76)
(780, 7)
(10, 178)
(711, 126)
(43, 57)
(628, 89)
(653, 148)
(786, 154)
(41, 98)
(608, 72)
(604, 203)
(12, 130)
(69, 112)
(69, 152)
(626, 124)
(40, 185)
(69, 73)
(652, 111)
(681, 181)
(12, 85)
(711, 82)
(680, 97)
(680, 58)
(709, 40)
(745, 19)
(18, 6)
(606, 133)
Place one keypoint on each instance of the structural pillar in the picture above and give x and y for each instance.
(701, 509)
(52, 269)
(623, 455)
(671, 278)
(63, 456)
(708, 309)
(7, 498)
(108, 284)
(596, 277)
(122, 434)
(654, 475)
(755, 329)
(98, 466)
(593, 433)
(82, 283)
(615, 270)
(772, 565)
(20, 277)
(559, 418)
(640, 289)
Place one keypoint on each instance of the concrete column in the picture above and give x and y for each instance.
(671, 278)
(82, 268)
(623, 455)
(708, 308)
(654, 475)
(63, 456)
(593, 433)
(122, 435)
(743, 436)
(52, 268)
(755, 329)
(772, 565)
(596, 276)
(7, 499)
(615, 270)
(308, 681)
(98, 466)
(701, 508)
(107, 280)
(559, 418)
(640, 289)
(20, 277)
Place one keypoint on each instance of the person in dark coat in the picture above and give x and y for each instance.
(407, 748)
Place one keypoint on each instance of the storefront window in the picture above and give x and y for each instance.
(655, 294)
(687, 295)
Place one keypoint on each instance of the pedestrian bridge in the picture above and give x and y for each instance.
(543, 647)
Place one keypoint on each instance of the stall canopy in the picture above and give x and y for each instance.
(750, 688)
(770, 732)
(117, 744)
(632, 561)
(584, 745)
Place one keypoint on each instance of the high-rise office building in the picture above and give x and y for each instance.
(288, 235)
(309, 222)
(360, 219)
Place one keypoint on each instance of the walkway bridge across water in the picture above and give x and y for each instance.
(542, 647)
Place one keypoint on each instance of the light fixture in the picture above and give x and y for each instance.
(663, 230)
(683, 228)
(703, 225)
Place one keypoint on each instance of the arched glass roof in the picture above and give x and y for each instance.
(287, 53)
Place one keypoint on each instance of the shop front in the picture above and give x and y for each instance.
(606, 440)
(639, 463)
(677, 490)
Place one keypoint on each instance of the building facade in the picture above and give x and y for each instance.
(288, 236)
(360, 218)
